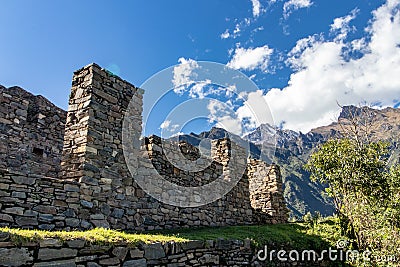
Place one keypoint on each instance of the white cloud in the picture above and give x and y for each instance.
(341, 25)
(198, 90)
(236, 31)
(186, 79)
(359, 45)
(261, 28)
(293, 5)
(255, 110)
(323, 75)
(240, 120)
(167, 126)
(225, 35)
(251, 58)
(256, 8)
(239, 26)
(183, 74)
(296, 56)
(223, 115)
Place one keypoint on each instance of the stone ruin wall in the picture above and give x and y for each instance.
(31, 132)
(93, 187)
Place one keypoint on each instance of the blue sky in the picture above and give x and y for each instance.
(303, 55)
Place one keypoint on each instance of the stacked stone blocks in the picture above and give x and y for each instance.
(94, 187)
(31, 132)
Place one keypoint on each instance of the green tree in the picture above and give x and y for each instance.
(351, 170)
(355, 175)
(365, 190)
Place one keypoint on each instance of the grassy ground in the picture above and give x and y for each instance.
(96, 236)
(292, 235)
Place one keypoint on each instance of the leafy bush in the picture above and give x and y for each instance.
(365, 190)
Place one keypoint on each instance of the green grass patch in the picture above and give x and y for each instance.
(98, 236)
(291, 235)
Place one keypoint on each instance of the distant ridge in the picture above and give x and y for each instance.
(294, 148)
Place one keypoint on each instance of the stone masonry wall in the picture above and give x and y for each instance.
(158, 150)
(31, 132)
(81, 253)
(34, 201)
(266, 195)
(94, 187)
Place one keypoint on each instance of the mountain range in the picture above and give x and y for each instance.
(291, 150)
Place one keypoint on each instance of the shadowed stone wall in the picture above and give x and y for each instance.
(31, 132)
(80, 253)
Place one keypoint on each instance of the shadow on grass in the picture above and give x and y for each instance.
(287, 237)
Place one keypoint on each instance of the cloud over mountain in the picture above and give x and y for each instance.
(326, 72)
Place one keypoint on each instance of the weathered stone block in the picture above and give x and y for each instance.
(207, 259)
(97, 216)
(72, 222)
(76, 243)
(88, 258)
(109, 261)
(136, 253)
(120, 252)
(195, 244)
(15, 256)
(86, 204)
(50, 254)
(46, 227)
(18, 194)
(4, 236)
(6, 218)
(71, 188)
(135, 263)
(118, 213)
(62, 263)
(4, 186)
(91, 150)
(46, 218)
(45, 209)
(14, 210)
(26, 221)
(88, 180)
(154, 251)
(23, 180)
(59, 203)
(101, 223)
(50, 242)
(86, 225)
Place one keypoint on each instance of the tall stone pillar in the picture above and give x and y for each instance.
(92, 151)
(266, 191)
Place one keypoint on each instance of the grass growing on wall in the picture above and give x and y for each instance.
(99, 236)
(293, 235)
